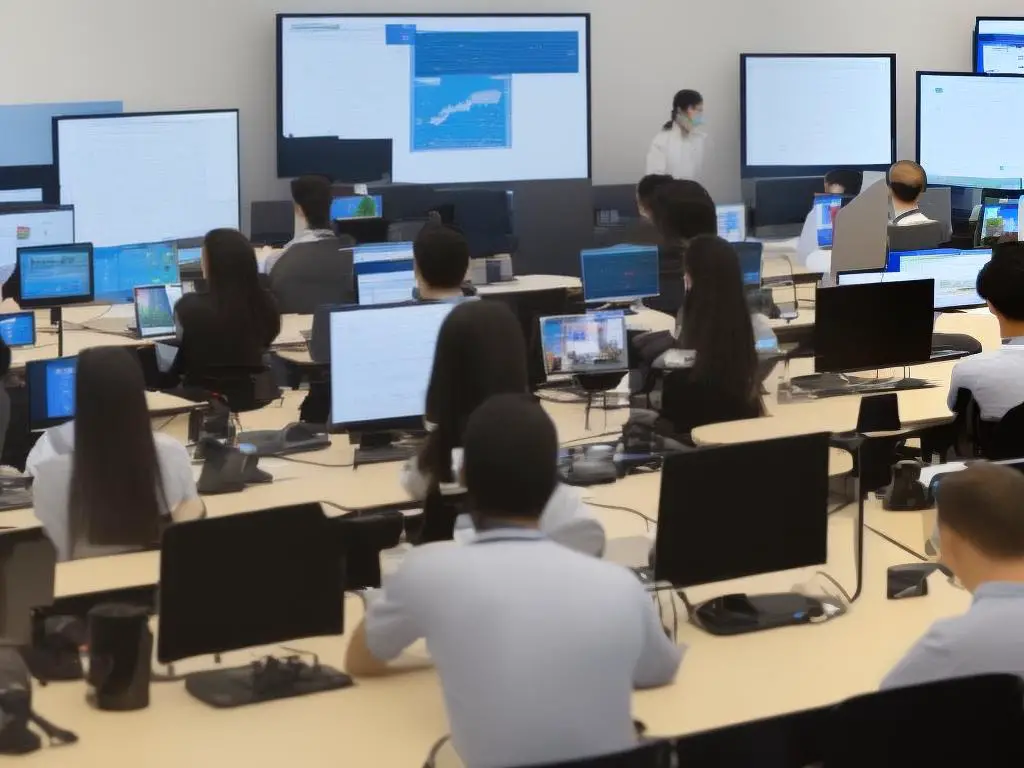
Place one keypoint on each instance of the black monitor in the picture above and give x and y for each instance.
(51, 391)
(55, 275)
(364, 231)
(874, 325)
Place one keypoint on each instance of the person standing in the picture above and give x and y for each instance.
(678, 148)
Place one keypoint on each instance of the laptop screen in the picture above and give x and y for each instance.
(154, 309)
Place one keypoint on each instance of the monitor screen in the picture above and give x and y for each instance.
(30, 227)
(955, 273)
(620, 273)
(31, 195)
(211, 603)
(385, 282)
(154, 309)
(55, 275)
(381, 358)
(190, 255)
(732, 222)
(750, 256)
(875, 325)
(362, 254)
(582, 344)
(803, 115)
(1001, 218)
(999, 46)
(141, 178)
(120, 269)
(970, 151)
(825, 209)
(51, 391)
(452, 98)
(357, 207)
(18, 329)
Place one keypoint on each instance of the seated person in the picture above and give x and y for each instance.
(995, 379)
(838, 182)
(231, 325)
(981, 533)
(105, 483)
(441, 263)
(907, 182)
(721, 382)
(640, 231)
(312, 196)
(481, 353)
(645, 190)
(538, 648)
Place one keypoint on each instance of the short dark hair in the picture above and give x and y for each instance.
(907, 180)
(313, 195)
(984, 503)
(511, 458)
(649, 184)
(682, 209)
(850, 181)
(442, 255)
(1001, 281)
(682, 101)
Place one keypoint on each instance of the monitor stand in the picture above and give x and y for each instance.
(738, 614)
(820, 381)
(628, 307)
(378, 448)
(265, 680)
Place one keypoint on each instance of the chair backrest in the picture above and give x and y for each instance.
(1005, 439)
(916, 237)
(405, 231)
(655, 754)
(241, 388)
(311, 274)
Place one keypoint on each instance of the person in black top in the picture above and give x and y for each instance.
(441, 263)
(721, 384)
(232, 324)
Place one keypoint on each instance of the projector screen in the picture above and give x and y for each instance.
(968, 127)
(142, 178)
(999, 45)
(434, 99)
(804, 115)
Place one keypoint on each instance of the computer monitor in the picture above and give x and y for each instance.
(190, 256)
(149, 177)
(154, 310)
(732, 222)
(954, 271)
(871, 326)
(18, 329)
(620, 273)
(56, 275)
(387, 281)
(776, 518)
(51, 391)
(357, 207)
(368, 252)
(999, 45)
(751, 259)
(363, 231)
(381, 358)
(825, 209)
(212, 603)
(585, 344)
(30, 226)
(999, 218)
(120, 269)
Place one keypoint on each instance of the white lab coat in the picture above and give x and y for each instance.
(680, 155)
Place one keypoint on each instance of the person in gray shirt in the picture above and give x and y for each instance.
(981, 535)
(538, 647)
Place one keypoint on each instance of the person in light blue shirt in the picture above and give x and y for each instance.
(981, 539)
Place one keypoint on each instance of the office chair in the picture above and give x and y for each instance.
(917, 237)
(310, 275)
(992, 440)
(437, 523)
(364, 535)
(230, 391)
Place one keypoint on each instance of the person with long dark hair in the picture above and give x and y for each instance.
(481, 353)
(105, 482)
(721, 382)
(234, 322)
(678, 148)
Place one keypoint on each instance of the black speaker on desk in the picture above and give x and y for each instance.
(120, 652)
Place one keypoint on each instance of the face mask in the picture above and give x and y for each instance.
(697, 120)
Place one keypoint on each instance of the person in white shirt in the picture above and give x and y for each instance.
(105, 483)
(538, 648)
(907, 182)
(678, 148)
(312, 197)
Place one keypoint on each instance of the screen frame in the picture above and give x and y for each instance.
(46, 423)
(62, 301)
(782, 171)
(284, 173)
(977, 34)
(31, 314)
(231, 110)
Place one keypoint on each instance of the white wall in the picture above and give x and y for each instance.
(178, 54)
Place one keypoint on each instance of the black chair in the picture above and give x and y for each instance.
(916, 237)
(792, 740)
(364, 536)
(995, 440)
(656, 754)
(437, 523)
(309, 275)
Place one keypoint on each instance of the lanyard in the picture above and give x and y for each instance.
(904, 215)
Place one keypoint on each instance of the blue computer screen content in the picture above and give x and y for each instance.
(51, 390)
(1000, 46)
(591, 343)
(18, 329)
(620, 273)
(357, 207)
(825, 209)
(381, 252)
(190, 255)
(120, 269)
(750, 262)
(54, 273)
(999, 219)
(954, 272)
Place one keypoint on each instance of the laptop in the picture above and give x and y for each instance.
(154, 310)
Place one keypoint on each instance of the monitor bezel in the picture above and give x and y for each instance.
(782, 171)
(283, 173)
(617, 299)
(35, 331)
(46, 423)
(62, 301)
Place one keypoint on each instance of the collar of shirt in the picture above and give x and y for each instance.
(508, 534)
(310, 236)
(999, 589)
(1014, 341)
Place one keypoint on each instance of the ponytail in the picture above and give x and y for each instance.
(671, 121)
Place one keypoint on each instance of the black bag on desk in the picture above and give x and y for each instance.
(16, 710)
